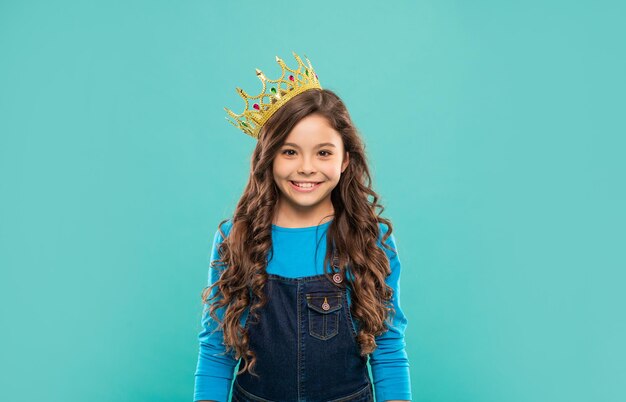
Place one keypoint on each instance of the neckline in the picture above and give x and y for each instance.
(301, 229)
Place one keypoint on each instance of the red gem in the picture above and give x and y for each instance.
(291, 77)
(256, 106)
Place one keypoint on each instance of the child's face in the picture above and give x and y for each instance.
(312, 152)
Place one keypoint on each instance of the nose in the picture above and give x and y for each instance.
(306, 167)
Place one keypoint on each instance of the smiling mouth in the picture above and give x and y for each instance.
(304, 186)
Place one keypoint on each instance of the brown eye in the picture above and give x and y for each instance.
(327, 153)
(288, 150)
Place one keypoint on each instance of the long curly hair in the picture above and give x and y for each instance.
(352, 234)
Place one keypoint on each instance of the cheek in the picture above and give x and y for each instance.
(275, 166)
(333, 172)
(277, 175)
(279, 170)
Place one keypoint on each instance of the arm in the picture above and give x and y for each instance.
(389, 362)
(214, 372)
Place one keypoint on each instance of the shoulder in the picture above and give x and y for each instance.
(222, 231)
(390, 242)
(383, 228)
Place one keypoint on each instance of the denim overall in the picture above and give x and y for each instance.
(305, 343)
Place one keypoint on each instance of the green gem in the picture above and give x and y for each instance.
(273, 89)
(306, 70)
(244, 124)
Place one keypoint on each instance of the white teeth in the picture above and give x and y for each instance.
(304, 185)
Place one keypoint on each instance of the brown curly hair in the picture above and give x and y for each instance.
(352, 234)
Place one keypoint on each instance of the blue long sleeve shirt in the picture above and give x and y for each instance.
(293, 255)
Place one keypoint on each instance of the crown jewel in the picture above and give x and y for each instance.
(271, 99)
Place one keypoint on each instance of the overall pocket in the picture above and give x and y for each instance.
(324, 312)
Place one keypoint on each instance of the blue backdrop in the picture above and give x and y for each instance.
(495, 133)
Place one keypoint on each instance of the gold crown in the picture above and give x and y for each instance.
(268, 102)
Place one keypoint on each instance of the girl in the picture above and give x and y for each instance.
(308, 259)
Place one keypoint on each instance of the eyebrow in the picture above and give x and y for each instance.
(324, 144)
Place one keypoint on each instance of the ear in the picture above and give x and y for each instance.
(346, 162)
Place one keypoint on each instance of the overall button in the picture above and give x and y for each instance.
(324, 311)
(337, 278)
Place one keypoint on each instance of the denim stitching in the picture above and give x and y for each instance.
(363, 391)
(299, 318)
(332, 315)
(250, 395)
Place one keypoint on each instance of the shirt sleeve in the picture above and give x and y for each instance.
(389, 362)
(215, 368)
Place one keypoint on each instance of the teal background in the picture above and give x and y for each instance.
(495, 132)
